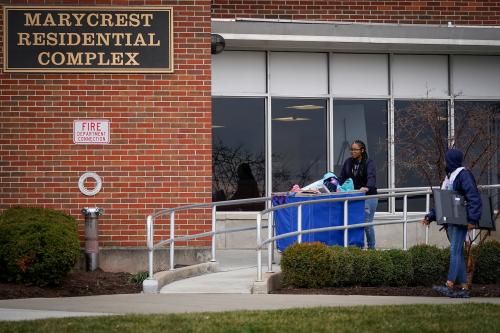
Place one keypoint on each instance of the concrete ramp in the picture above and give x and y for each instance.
(238, 281)
(237, 274)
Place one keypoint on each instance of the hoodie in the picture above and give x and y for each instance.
(454, 159)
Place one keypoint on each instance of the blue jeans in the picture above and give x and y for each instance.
(370, 208)
(457, 271)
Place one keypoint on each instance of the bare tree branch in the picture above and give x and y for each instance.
(421, 142)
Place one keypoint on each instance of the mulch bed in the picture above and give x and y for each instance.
(82, 283)
(78, 283)
(489, 290)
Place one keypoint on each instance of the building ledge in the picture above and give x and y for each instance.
(357, 37)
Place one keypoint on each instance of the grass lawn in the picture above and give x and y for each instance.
(468, 318)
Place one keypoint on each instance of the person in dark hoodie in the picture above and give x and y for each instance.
(364, 175)
(461, 180)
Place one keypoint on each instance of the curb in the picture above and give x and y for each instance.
(271, 281)
(153, 286)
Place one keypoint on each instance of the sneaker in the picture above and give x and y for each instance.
(462, 293)
(444, 290)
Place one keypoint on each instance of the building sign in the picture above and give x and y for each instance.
(91, 131)
(88, 39)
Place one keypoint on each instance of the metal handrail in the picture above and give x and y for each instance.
(345, 227)
(171, 241)
(393, 192)
(210, 204)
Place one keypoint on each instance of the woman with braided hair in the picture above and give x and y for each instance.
(363, 173)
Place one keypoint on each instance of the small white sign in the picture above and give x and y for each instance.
(91, 131)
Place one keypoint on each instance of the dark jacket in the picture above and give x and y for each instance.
(464, 184)
(366, 178)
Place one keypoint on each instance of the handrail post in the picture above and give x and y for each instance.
(150, 285)
(273, 243)
(405, 219)
(270, 244)
(149, 236)
(427, 209)
(172, 235)
(346, 214)
(214, 221)
(299, 223)
(392, 202)
(259, 249)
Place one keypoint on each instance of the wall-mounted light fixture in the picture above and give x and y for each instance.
(218, 43)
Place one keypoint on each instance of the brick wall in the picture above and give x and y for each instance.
(160, 150)
(411, 12)
(160, 124)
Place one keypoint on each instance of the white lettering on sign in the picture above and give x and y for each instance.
(91, 131)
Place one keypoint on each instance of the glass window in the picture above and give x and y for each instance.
(367, 121)
(359, 74)
(238, 150)
(476, 76)
(420, 76)
(298, 142)
(477, 134)
(299, 73)
(236, 72)
(421, 131)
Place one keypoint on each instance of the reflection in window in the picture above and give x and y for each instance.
(298, 142)
(421, 129)
(238, 150)
(366, 121)
(477, 134)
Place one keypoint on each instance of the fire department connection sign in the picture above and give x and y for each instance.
(91, 132)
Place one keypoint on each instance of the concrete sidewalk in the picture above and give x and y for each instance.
(226, 290)
(35, 308)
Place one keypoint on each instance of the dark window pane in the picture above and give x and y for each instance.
(299, 142)
(477, 134)
(366, 121)
(238, 152)
(421, 131)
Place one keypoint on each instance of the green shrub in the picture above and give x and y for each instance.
(138, 278)
(341, 267)
(402, 269)
(306, 265)
(379, 268)
(37, 246)
(487, 268)
(361, 265)
(430, 264)
(444, 258)
(314, 265)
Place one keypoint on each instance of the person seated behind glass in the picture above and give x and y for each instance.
(246, 188)
(247, 185)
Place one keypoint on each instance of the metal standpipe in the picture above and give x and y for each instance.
(92, 237)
